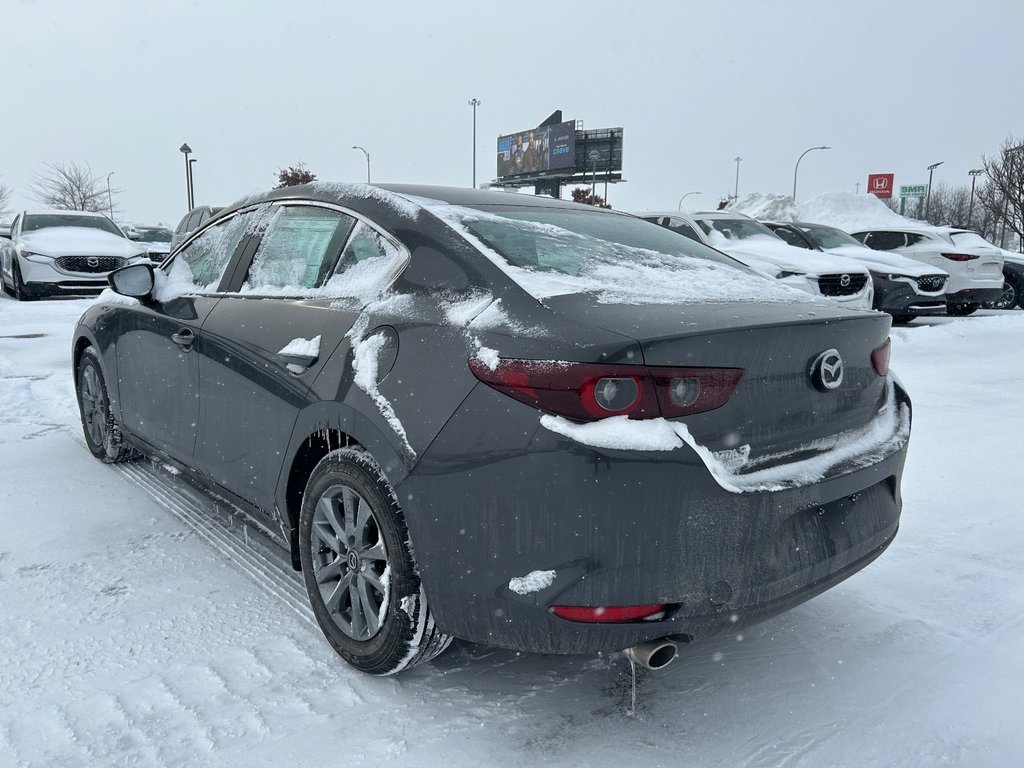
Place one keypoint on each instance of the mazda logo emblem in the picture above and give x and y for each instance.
(827, 370)
(845, 281)
(92, 261)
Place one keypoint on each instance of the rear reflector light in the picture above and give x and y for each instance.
(960, 256)
(590, 391)
(608, 614)
(880, 358)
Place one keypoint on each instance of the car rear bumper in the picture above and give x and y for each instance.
(975, 295)
(623, 528)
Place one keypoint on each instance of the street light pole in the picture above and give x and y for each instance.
(680, 206)
(186, 150)
(928, 198)
(367, 162)
(191, 185)
(110, 200)
(974, 174)
(736, 192)
(797, 169)
(474, 103)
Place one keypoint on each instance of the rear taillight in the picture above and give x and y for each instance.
(880, 358)
(608, 614)
(590, 391)
(960, 256)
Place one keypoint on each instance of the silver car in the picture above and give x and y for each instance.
(62, 253)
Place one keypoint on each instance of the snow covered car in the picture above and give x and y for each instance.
(903, 287)
(975, 268)
(62, 253)
(1013, 268)
(192, 221)
(514, 420)
(839, 279)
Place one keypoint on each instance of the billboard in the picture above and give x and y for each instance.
(880, 184)
(538, 150)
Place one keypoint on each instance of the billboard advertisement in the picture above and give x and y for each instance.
(880, 184)
(538, 150)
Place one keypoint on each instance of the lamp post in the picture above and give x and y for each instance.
(110, 199)
(680, 206)
(593, 157)
(736, 192)
(797, 168)
(928, 197)
(474, 103)
(186, 150)
(974, 174)
(191, 185)
(367, 162)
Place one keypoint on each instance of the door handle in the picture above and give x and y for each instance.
(297, 363)
(184, 338)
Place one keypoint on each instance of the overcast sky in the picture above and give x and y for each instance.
(255, 86)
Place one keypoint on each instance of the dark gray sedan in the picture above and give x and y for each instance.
(512, 420)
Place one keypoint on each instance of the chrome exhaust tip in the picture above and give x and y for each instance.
(654, 655)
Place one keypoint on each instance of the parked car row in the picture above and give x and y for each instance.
(907, 273)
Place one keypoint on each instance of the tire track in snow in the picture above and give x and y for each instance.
(253, 562)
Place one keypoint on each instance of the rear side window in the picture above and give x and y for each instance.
(369, 263)
(913, 239)
(299, 249)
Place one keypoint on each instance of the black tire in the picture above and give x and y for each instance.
(102, 433)
(351, 532)
(961, 310)
(1010, 297)
(902, 319)
(19, 291)
(1018, 285)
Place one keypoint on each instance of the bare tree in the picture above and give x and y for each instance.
(584, 195)
(1003, 193)
(5, 198)
(72, 187)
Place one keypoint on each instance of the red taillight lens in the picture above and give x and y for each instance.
(960, 256)
(589, 391)
(607, 614)
(880, 358)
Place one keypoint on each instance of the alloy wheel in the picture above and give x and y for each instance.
(94, 406)
(350, 562)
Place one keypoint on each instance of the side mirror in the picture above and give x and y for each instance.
(133, 235)
(135, 280)
(5, 232)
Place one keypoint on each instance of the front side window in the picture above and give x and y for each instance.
(886, 241)
(299, 248)
(209, 253)
(791, 237)
(829, 237)
(680, 226)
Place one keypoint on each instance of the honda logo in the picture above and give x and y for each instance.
(880, 182)
(827, 370)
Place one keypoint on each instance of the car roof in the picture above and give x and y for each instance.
(61, 212)
(922, 230)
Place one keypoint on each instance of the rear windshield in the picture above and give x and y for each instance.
(830, 237)
(970, 239)
(617, 258)
(568, 241)
(34, 221)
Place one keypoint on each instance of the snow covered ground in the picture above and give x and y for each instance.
(143, 625)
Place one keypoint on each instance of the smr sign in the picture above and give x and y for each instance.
(880, 184)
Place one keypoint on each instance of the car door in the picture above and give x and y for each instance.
(157, 364)
(252, 388)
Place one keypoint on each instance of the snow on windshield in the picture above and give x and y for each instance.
(585, 253)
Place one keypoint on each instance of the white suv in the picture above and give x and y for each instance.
(975, 266)
(750, 242)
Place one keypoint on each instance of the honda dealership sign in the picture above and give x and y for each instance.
(880, 184)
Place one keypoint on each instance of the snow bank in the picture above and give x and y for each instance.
(766, 206)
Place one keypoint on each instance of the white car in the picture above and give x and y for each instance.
(1013, 268)
(750, 242)
(975, 266)
(904, 288)
(156, 240)
(62, 253)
